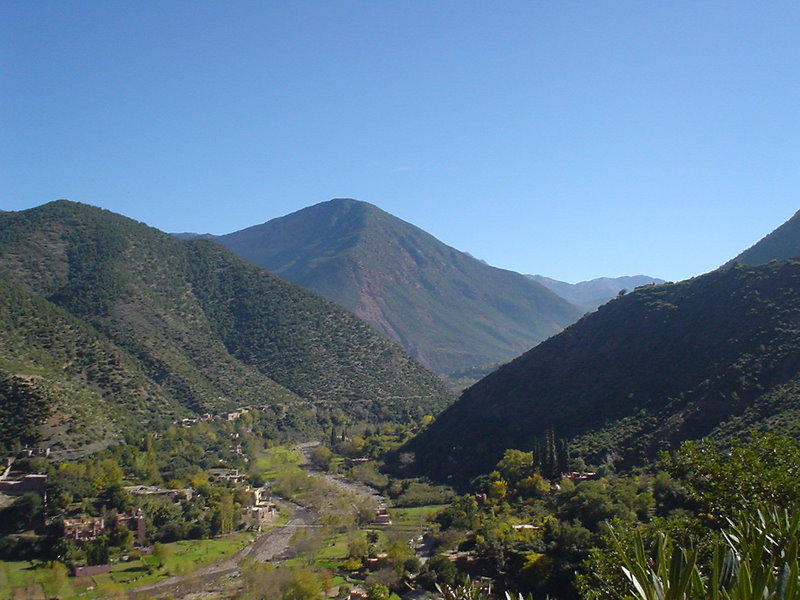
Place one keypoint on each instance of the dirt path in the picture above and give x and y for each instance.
(271, 545)
(268, 546)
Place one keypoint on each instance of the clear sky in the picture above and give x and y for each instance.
(571, 139)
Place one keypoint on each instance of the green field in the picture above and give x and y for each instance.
(35, 579)
(277, 460)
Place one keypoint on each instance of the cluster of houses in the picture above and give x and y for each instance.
(220, 475)
(230, 415)
(262, 511)
(382, 517)
(88, 529)
(576, 477)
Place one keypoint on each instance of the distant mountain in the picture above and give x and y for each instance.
(588, 295)
(782, 243)
(193, 236)
(449, 310)
(107, 323)
(712, 356)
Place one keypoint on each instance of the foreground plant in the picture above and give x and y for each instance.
(471, 591)
(755, 557)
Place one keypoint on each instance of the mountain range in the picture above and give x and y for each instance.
(588, 295)
(716, 355)
(449, 310)
(107, 324)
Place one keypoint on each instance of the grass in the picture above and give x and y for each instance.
(334, 549)
(277, 460)
(189, 555)
(413, 519)
(31, 579)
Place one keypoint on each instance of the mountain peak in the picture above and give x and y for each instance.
(448, 309)
(782, 243)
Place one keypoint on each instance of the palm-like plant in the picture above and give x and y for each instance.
(755, 558)
(470, 591)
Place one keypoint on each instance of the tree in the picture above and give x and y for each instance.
(378, 592)
(590, 503)
(115, 496)
(439, 570)
(498, 489)
(57, 577)
(305, 542)
(302, 585)
(222, 519)
(262, 581)
(357, 546)
(121, 537)
(762, 470)
(97, 551)
(399, 554)
(107, 472)
(162, 553)
(515, 466)
(321, 456)
(22, 514)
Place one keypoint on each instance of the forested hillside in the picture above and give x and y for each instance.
(714, 355)
(113, 309)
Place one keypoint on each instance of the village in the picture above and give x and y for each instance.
(97, 516)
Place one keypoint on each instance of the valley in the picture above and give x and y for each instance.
(158, 395)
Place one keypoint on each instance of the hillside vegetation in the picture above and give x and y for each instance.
(714, 355)
(449, 310)
(157, 326)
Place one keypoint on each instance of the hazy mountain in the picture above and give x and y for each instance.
(782, 243)
(714, 355)
(99, 307)
(588, 295)
(188, 235)
(446, 308)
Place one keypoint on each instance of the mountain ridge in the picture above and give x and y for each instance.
(448, 309)
(590, 294)
(782, 243)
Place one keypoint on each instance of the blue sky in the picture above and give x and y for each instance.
(571, 139)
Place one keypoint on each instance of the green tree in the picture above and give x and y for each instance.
(302, 585)
(97, 551)
(107, 472)
(222, 518)
(162, 553)
(515, 466)
(321, 456)
(762, 470)
(121, 537)
(57, 578)
(378, 592)
(115, 496)
(22, 514)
